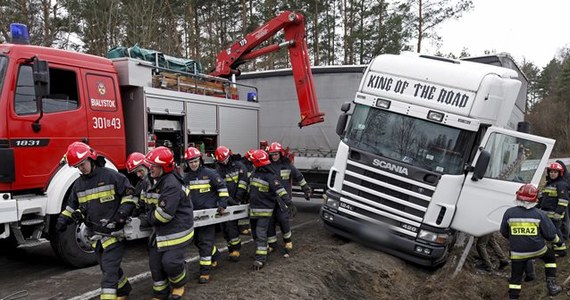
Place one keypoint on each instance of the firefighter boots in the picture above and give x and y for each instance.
(234, 255)
(257, 265)
(177, 293)
(553, 288)
(205, 278)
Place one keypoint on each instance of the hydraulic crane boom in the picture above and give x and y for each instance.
(228, 60)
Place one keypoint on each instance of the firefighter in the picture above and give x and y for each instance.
(207, 190)
(283, 167)
(527, 228)
(136, 164)
(243, 224)
(235, 176)
(554, 201)
(565, 227)
(169, 211)
(265, 194)
(102, 199)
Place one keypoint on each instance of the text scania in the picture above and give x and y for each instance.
(418, 90)
(388, 166)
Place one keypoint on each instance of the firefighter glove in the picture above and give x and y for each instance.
(61, 224)
(233, 201)
(221, 210)
(292, 210)
(77, 216)
(307, 191)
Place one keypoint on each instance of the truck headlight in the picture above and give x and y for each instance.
(438, 238)
(331, 203)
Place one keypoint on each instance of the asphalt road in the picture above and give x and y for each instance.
(36, 273)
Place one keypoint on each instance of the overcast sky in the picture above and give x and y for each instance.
(535, 30)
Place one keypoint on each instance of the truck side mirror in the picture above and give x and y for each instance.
(345, 107)
(481, 165)
(40, 71)
(341, 124)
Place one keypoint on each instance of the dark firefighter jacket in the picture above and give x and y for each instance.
(206, 188)
(527, 230)
(100, 195)
(234, 174)
(285, 169)
(169, 212)
(554, 198)
(265, 190)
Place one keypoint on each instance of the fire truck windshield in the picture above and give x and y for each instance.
(421, 143)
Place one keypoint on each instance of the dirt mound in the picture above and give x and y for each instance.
(328, 267)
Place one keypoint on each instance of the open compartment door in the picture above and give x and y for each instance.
(515, 158)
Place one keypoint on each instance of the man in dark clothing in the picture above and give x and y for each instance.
(527, 228)
(136, 164)
(554, 201)
(235, 175)
(207, 190)
(565, 227)
(283, 167)
(265, 192)
(102, 199)
(169, 211)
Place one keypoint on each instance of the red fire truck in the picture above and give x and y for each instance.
(50, 98)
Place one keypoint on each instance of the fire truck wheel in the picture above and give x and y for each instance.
(72, 247)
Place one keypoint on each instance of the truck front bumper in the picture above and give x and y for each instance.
(385, 240)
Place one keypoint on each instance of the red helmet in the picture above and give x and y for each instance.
(191, 153)
(249, 154)
(528, 193)
(275, 147)
(260, 158)
(222, 153)
(135, 160)
(556, 166)
(161, 156)
(78, 152)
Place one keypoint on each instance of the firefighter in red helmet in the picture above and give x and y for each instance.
(207, 190)
(283, 167)
(554, 201)
(265, 194)
(235, 176)
(527, 229)
(102, 199)
(169, 211)
(136, 164)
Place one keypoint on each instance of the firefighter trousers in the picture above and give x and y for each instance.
(204, 239)
(280, 218)
(519, 267)
(231, 235)
(168, 270)
(259, 228)
(114, 282)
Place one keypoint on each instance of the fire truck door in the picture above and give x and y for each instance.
(104, 117)
(37, 153)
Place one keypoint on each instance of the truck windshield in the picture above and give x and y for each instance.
(420, 143)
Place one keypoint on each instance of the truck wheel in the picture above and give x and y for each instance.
(72, 246)
(8, 245)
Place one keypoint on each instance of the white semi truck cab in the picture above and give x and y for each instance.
(427, 153)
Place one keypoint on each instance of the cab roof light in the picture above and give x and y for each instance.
(435, 116)
(381, 103)
(19, 33)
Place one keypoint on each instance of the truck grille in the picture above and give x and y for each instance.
(384, 198)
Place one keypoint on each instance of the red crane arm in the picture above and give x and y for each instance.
(241, 51)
